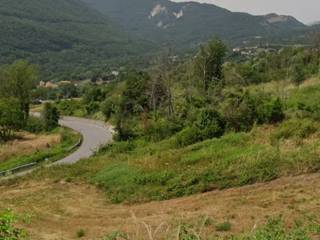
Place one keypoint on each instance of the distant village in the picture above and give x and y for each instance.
(249, 49)
(113, 75)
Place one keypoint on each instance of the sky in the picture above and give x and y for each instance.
(307, 11)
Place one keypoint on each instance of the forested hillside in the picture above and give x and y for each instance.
(187, 24)
(80, 39)
(65, 37)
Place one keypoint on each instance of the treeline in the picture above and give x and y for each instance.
(203, 98)
(199, 99)
(16, 83)
(193, 101)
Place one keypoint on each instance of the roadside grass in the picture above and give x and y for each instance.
(237, 159)
(55, 152)
(139, 171)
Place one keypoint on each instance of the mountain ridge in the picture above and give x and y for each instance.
(191, 23)
(65, 37)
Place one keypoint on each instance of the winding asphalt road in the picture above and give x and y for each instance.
(94, 135)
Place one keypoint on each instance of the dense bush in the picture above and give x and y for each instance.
(210, 124)
(92, 108)
(34, 125)
(7, 229)
(93, 94)
(71, 108)
(124, 130)
(50, 116)
(238, 110)
(109, 106)
(296, 128)
(241, 109)
(187, 136)
(161, 128)
(270, 110)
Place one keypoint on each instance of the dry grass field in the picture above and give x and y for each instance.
(58, 210)
(27, 143)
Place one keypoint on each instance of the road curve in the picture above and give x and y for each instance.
(94, 135)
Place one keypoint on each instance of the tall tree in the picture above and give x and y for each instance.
(11, 118)
(158, 93)
(134, 98)
(208, 63)
(17, 80)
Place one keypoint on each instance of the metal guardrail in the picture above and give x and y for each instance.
(34, 164)
(18, 169)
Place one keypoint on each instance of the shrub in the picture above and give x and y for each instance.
(188, 136)
(238, 110)
(270, 111)
(109, 106)
(81, 233)
(50, 116)
(223, 227)
(34, 125)
(124, 132)
(92, 108)
(71, 107)
(295, 128)
(161, 129)
(210, 124)
(241, 109)
(7, 230)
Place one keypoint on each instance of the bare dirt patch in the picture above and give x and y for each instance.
(26, 144)
(59, 209)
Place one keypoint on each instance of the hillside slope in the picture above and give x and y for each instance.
(65, 208)
(189, 23)
(63, 36)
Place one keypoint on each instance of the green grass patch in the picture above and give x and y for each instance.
(140, 171)
(308, 96)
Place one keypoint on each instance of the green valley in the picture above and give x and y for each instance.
(157, 120)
